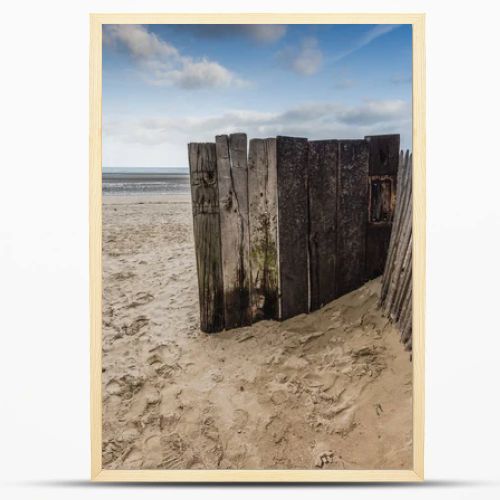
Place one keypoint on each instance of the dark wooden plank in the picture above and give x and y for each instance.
(383, 168)
(207, 238)
(352, 206)
(233, 208)
(322, 195)
(291, 158)
(384, 154)
(263, 215)
(377, 247)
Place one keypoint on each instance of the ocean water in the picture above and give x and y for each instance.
(145, 181)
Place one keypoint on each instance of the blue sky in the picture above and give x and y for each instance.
(167, 85)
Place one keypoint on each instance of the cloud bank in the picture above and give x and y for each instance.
(320, 120)
(163, 64)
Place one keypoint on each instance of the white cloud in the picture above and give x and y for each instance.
(372, 112)
(305, 59)
(139, 41)
(163, 64)
(322, 120)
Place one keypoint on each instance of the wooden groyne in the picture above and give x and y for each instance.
(289, 225)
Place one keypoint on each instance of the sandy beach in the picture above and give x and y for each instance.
(331, 389)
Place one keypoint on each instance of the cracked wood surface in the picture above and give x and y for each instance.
(291, 157)
(263, 215)
(352, 210)
(233, 210)
(322, 185)
(207, 236)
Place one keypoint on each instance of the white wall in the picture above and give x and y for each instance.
(44, 247)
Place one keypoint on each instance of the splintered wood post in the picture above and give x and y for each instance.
(291, 157)
(322, 194)
(352, 203)
(384, 160)
(403, 238)
(396, 292)
(233, 209)
(263, 226)
(395, 227)
(207, 237)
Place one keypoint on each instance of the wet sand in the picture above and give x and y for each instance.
(329, 390)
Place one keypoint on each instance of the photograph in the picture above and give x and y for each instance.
(242, 252)
(257, 279)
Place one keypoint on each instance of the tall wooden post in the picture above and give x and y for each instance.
(207, 237)
(232, 173)
(291, 157)
(384, 159)
(352, 203)
(263, 225)
(322, 193)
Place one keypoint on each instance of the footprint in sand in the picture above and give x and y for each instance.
(168, 353)
(329, 459)
(114, 388)
(132, 458)
(129, 385)
(172, 451)
(122, 276)
(163, 359)
(240, 419)
(136, 326)
(152, 451)
(277, 428)
(141, 299)
(279, 397)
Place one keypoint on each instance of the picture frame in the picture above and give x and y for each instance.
(98, 473)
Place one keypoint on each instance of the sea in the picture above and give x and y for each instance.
(145, 180)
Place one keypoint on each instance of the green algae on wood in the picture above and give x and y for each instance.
(263, 213)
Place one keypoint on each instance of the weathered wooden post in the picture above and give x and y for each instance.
(291, 165)
(352, 203)
(263, 225)
(396, 291)
(207, 237)
(384, 159)
(322, 193)
(232, 174)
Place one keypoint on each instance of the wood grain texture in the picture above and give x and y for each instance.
(352, 203)
(377, 247)
(397, 282)
(383, 168)
(207, 238)
(232, 174)
(322, 194)
(291, 158)
(384, 154)
(263, 226)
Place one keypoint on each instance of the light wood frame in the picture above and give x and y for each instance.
(95, 157)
